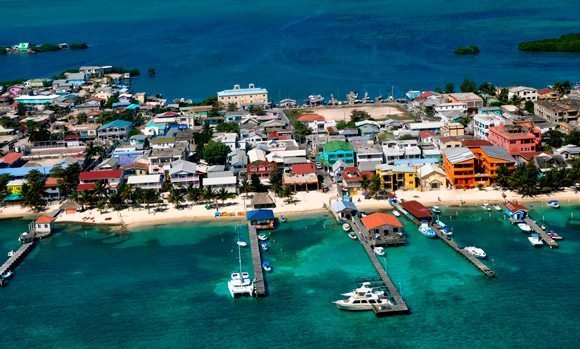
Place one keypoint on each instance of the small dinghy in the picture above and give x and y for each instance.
(264, 246)
(263, 237)
(379, 251)
(267, 266)
(242, 243)
(11, 253)
(346, 227)
(352, 235)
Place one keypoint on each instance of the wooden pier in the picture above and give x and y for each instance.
(541, 232)
(16, 259)
(399, 306)
(259, 282)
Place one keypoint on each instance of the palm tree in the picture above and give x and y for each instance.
(223, 195)
(245, 186)
(287, 193)
(91, 150)
(276, 181)
(365, 182)
(137, 196)
(175, 197)
(194, 194)
(208, 194)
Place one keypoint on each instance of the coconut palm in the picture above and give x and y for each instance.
(223, 195)
(365, 182)
(208, 194)
(245, 186)
(287, 193)
(175, 197)
(194, 194)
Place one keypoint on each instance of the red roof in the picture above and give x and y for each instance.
(417, 209)
(86, 187)
(513, 206)
(45, 219)
(529, 155)
(98, 175)
(311, 117)
(303, 168)
(351, 173)
(51, 182)
(11, 158)
(426, 134)
(469, 143)
(544, 91)
(378, 219)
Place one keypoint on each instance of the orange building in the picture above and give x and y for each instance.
(468, 167)
(459, 166)
(491, 159)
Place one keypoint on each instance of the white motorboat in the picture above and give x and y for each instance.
(396, 213)
(352, 235)
(535, 240)
(554, 204)
(379, 251)
(346, 227)
(363, 298)
(242, 243)
(263, 237)
(524, 227)
(475, 251)
(11, 253)
(554, 235)
(485, 206)
(497, 207)
(436, 209)
(426, 230)
(240, 282)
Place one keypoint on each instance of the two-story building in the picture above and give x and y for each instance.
(397, 177)
(515, 138)
(337, 150)
(244, 97)
(523, 93)
(183, 174)
(117, 130)
(262, 169)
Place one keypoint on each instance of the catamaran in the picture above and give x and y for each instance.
(240, 283)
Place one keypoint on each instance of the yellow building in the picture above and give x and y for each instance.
(431, 177)
(397, 177)
(243, 97)
(452, 129)
(15, 186)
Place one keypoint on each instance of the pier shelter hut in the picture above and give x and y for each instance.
(44, 226)
(417, 210)
(261, 219)
(70, 207)
(262, 200)
(516, 212)
(383, 227)
(344, 209)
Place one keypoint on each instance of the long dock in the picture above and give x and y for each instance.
(16, 259)
(259, 282)
(541, 232)
(451, 243)
(399, 306)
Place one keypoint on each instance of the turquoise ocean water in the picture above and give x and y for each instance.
(165, 287)
(294, 48)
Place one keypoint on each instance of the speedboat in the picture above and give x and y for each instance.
(352, 235)
(497, 207)
(485, 206)
(554, 204)
(524, 227)
(436, 209)
(263, 237)
(363, 298)
(426, 230)
(11, 253)
(477, 252)
(346, 227)
(379, 251)
(266, 266)
(396, 213)
(264, 245)
(242, 243)
(535, 240)
(7, 275)
(554, 235)
(241, 284)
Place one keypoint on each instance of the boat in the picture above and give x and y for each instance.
(363, 298)
(426, 230)
(396, 213)
(379, 251)
(242, 243)
(554, 235)
(266, 266)
(352, 235)
(477, 252)
(346, 227)
(283, 218)
(436, 209)
(264, 245)
(497, 207)
(554, 204)
(7, 275)
(240, 282)
(535, 240)
(11, 253)
(263, 237)
(524, 227)
(485, 206)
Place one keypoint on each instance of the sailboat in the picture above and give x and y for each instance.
(240, 282)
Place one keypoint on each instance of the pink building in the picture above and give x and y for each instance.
(516, 139)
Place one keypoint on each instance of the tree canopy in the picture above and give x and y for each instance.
(216, 153)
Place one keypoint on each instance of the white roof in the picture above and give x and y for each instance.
(424, 125)
(456, 155)
(428, 169)
(220, 180)
(182, 166)
(36, 97)
(256, 155)
(144, 179)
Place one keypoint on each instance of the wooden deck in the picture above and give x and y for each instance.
(259, 282)
(543, 235)
(399, 307)
(18, 257)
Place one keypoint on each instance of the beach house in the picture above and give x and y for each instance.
(431, 177)
(262, 169)
(301, 177)
(183, 174)
(146, 182)
(221, 179)
(111, 178)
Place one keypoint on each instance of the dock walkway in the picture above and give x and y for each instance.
(259, 282)
(545, 237)
(399, 306)
(18, 256)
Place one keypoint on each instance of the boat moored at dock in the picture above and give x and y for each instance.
(362, 299)
(524, 227)
(477, 252)
(426, 230)
(535, 240)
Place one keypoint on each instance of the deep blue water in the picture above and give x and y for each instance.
(165, 287)
(295, 48)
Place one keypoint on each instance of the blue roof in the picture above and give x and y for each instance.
(121, 104)
(21, 172)
(259, 215)
(339, 206)
(116, 123)
(402, 162)
(133, 107)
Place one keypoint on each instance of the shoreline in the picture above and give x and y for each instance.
(305, 203)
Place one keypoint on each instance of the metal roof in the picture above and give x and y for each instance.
(457, 155)
(498, 153)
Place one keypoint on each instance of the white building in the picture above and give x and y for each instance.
(371, 153)
(396, 150)
(183, 174)
(523, 93)
(450, 107)
(482, 123)
(221, 179)
(153, 181)
(243, 97)
(229, 139)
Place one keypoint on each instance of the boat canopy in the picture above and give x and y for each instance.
(260, 215)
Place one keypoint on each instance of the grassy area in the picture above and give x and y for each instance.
(294, 114)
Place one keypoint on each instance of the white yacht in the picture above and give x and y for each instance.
(426, 230)
(535, 240)
(240, 282)
(475, 251)
(524, 227)
(363, 298)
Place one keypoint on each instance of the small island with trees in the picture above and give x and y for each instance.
(471, 50)
(34, 48)
(565, 43)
